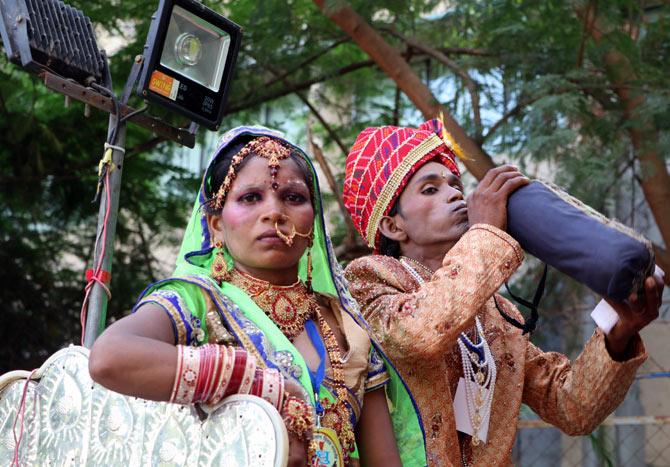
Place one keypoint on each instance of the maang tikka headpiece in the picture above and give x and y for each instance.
(268, 148)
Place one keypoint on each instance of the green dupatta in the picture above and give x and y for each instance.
(252, 327)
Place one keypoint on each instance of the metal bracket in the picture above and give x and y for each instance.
(132, 78)
(95, 99)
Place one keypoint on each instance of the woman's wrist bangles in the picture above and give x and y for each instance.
(269, 385)
(211, 372)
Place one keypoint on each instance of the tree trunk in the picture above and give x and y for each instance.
(654, 179)
(395, 66)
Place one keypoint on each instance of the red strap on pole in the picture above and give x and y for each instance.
(104, 276)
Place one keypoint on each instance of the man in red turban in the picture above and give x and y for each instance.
(429, 294)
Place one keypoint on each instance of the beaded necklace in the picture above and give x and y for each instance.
(336, 415)
(479, 368)
(416, 264)
(479, 371)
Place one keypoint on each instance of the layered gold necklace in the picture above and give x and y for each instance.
(336, 414)
(288, 306)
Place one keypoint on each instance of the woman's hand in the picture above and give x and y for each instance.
(376, 441)
(487, 204)
(297, 452)
(634, 314)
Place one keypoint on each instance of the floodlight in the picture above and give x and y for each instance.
(189, 58)
(186, 66)
(48, 35)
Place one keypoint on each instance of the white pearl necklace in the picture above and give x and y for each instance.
(480, 383)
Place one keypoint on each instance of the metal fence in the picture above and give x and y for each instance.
(620, 441)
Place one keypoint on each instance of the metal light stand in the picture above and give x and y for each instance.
(97, 305)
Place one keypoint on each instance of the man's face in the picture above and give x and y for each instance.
(432, 207)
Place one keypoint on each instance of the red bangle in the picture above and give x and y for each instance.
(202, 372)
(257, 386)
(238, 372)
(215, 366)
(227, 358)
(219, 361)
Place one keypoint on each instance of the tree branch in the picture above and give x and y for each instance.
(301, 86)
(333, 135)
(396, 107)
(453, 66)
(300, 66)
(467, 51)
(587, 21)
(397, 68)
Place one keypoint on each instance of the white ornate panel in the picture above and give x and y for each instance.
(71, 421)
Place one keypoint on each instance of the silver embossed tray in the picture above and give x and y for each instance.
(68, 420)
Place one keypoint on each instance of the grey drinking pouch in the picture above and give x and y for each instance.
(610, 258)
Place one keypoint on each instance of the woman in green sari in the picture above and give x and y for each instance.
(258, 305)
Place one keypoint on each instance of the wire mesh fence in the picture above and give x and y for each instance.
(620, 441)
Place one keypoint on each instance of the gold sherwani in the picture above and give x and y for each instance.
(418, 326)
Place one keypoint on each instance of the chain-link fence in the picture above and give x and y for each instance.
(620, 441)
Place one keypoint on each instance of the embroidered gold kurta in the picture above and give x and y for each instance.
(418, 325)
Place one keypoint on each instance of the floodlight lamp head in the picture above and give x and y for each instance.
(189, 58)
(48, 35)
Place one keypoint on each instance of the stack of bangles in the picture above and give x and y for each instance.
(211, 372)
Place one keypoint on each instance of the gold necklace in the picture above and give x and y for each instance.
(288, 306)
(336, 414)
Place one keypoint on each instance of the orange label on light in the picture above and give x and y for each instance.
(165, 85)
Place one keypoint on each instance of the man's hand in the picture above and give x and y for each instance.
(634, 314)
(487, 204)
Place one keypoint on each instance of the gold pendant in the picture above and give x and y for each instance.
(327, 449)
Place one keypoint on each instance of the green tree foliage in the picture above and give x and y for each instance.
(546, 99)
(49, 156)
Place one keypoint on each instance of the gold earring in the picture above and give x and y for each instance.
(220, 271)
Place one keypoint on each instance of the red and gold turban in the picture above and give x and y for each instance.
(381, 162)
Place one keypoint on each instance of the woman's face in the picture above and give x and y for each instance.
(252, 208)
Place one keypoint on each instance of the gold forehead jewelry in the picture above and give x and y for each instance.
(268, 148)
